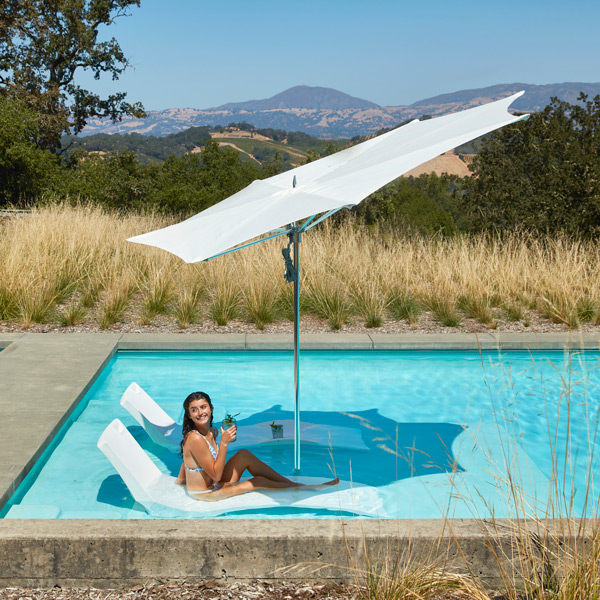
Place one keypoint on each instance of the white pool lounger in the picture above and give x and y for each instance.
(160, 496)
(167, 433)
(154, 420)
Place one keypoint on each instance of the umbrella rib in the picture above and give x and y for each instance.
(307, 227)
(270, 237)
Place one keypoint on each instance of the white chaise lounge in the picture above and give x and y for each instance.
(166, 432)
(159, 495)
(156, 422)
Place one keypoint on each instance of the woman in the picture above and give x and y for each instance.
(205, 468)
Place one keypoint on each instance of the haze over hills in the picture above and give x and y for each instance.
(329, 113)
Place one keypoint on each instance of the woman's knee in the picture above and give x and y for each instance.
(244, 454)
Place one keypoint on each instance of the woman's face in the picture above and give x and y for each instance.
(200, 412)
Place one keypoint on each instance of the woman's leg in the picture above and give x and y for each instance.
(258, 483)
(244, 460)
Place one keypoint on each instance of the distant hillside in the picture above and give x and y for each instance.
(536, 97)
(259, 146)
(303, 97)
(328, 113)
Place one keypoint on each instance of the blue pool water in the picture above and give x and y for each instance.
(442, 431)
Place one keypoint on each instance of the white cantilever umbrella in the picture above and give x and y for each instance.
(278, 204)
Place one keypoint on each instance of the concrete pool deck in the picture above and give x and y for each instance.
(44, 376)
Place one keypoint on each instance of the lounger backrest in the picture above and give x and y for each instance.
(139, 404)
(128, 458)
(155, 421)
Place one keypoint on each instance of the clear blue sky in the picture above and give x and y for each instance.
(200, 53)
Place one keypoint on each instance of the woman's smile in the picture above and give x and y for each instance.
(200, 411)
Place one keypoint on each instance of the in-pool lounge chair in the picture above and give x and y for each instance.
(159, 495)
(155, 421)
(163, 430)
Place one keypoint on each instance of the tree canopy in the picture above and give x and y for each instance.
(542, 174)
(43, 44)
(425, 204)
(26, 170)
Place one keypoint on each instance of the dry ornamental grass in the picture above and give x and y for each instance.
(65, 268)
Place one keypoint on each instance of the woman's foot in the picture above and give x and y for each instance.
(319, 486)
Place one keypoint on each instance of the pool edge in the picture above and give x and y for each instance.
(105, 554)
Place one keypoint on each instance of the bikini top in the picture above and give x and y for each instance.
(213, 452)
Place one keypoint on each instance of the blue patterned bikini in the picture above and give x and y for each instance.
(214, 452)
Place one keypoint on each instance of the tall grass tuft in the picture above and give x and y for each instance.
(419, 582)
(73, 314)
(328, 300)
(158, 291)
(7, 304)
(403, 306)
(90, 292)
(262, 285)
(370, 303)
(186, 307)
(191, 291)
(560, 308)
(115, 304)
(478, 306)
(514, 311)
(262, 304)
(225, 304)
(587, 309)
(34, 304)
(443, 309)
(553, 535)
(412, 576)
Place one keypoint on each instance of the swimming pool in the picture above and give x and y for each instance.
(442, 430)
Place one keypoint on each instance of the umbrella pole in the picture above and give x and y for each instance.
(296, 242)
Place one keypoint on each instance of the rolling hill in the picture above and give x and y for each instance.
(328, 113)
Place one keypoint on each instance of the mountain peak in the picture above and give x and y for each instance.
(305, 97)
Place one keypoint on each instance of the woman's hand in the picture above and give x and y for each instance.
(228, 435)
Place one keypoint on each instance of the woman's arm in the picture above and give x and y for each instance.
(227, 436)
(181, 477)
(203, 457)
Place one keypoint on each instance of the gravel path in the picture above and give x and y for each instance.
(212, 590)
(207, 590)
(535, 323)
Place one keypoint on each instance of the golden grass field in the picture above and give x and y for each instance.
(65, 266)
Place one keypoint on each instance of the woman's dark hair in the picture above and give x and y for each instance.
(188, 424)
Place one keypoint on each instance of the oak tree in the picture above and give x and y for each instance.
(542, 174)
(44, 44)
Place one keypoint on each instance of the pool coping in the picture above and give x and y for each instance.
(48, 374)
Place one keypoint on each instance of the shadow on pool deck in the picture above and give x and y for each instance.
(394, 451)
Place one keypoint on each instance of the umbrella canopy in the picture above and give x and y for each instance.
(323, 186)
(342, 179)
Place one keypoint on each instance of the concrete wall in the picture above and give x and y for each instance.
(117, 554)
